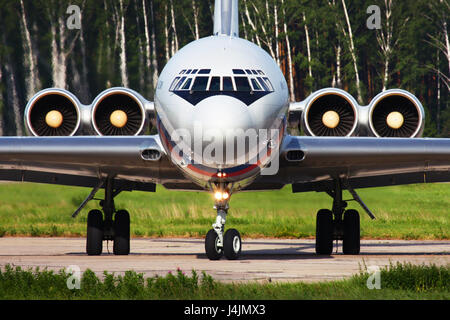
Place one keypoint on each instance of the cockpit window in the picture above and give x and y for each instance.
(179, 83)
(200, 84)
(174, 83)
(187, 84)
(227, 84)
(263, 84)
(246, 85)
(238, 71)
(269, 84)
(242, 84)
(215, 84)
(256, 86)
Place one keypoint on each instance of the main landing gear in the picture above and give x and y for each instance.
(219, 243)
(339, 224)
(108, 225)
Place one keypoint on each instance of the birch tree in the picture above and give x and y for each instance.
(308, 46)
(154, 50)
(352, 50)
(32, 75)
(289, 54)
(123, 53)
(386, 40)
(441, 39)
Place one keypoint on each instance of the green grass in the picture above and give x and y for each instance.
(401, 281)
(403, 212)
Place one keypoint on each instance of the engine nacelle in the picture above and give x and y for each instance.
(53, 112)
(330, 112)
(119, 112)
(396, 113)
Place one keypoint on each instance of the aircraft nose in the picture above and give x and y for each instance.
(219, 125)
(222, 113)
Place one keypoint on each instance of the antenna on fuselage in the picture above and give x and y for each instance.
(226, 18)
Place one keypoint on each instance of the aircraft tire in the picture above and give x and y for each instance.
(351, 241)
(121, 233)
(94, 239)
(232, 244)
(324, 232)
(212, 251)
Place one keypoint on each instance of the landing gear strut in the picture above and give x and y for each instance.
(102, 226)
(337, 224)
(218, 242)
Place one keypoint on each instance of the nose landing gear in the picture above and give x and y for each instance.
(218, 242)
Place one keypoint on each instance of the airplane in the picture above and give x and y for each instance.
(222, 110)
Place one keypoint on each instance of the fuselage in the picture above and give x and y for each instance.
(221, 104)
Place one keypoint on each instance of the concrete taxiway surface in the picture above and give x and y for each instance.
(262, 259)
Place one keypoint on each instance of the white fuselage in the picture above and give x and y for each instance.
(212, 97)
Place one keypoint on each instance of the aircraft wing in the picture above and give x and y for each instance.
(135, 162)
(314, 163)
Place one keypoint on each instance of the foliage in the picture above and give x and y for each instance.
(93, 53)
(400, 281)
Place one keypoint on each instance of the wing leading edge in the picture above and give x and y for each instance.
(313, 163)
(136, 163)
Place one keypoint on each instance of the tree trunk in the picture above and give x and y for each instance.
(252, 24)
(353, 53)
(12, 97)
(289, 55)
(275, 12)
(32, 74)
(123, 54)
(2, 105)
(174, 30)
(308, 46)
(154, 54)
(166, 32)
(85, 91)
(195, 10)
(147, 46)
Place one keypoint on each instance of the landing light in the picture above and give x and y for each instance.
(221, 195)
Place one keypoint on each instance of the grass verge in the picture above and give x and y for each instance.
(403, 212)
(400, 281)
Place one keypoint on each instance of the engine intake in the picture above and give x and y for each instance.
(53, 112)
(396, 113)
(330, 112)
(118, 112)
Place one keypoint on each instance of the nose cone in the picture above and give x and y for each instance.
(218, 124)
(222, 113)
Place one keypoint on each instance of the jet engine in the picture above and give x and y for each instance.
(119, 112)
(53, 112)
(396, 113)
(330, 112)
